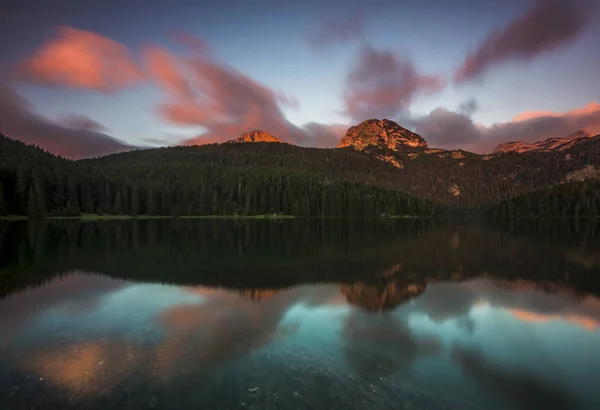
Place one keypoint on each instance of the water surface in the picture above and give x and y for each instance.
(299, 314)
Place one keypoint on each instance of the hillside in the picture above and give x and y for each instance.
(387, 156)
(379, 168)
(176, 181)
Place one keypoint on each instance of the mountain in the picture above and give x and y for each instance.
(255, 136)
(547, 145)
(381, 169)
(381, 134)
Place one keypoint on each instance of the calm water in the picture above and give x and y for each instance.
(299, 315)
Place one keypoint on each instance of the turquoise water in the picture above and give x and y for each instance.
(488, 323)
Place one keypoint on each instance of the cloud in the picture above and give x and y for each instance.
(81, 59)
(548, 25)
(448, 129)
(468, 107)
(206, 93)
(338, 30)
(82, 122)
(166, 71)
(287, 99)
(78, 139)
(324, 135)
(383, 85)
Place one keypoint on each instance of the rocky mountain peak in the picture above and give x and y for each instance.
(550, 144)
(383, 134)
(255, 136)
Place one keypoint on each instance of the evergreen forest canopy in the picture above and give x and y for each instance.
(276, 178)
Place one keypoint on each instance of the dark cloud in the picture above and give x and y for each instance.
(82, 122)
(468, 107)
(81, 59)
(448, 129)
(548, 25)
(380, 84)
(17, 121)
(338, 30)
(324, 135)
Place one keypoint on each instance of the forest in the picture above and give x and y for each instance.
(37, 184)
(284, 179)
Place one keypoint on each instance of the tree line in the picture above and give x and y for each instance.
(38, 184)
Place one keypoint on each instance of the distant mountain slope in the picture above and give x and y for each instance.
(550, 144)
(579, 198)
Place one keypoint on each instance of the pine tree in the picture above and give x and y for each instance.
(134, 202)
(3, 205)
(31, 203)
(118, 206)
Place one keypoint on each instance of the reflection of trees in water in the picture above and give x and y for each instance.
(276, 254)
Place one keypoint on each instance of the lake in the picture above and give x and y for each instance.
(300, 314)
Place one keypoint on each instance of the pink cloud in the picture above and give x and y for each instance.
(81, 59)
(220, 99)
(164, 68)
(448, 129)
(383, 85)
(548, 25)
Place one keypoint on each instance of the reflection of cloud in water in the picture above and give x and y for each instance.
(84, 369)
(78, 292)
(521, 388)
(228, 324)
(587, 323)
(382, 344)
(527, 301)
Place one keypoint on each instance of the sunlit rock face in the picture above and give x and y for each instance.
(380, 297)
(550, 144)
(255, 136)
(589, 172)
(382, 134)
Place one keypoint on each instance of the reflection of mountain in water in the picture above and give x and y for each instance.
(380, 296)
(271, 255)
(258, 294)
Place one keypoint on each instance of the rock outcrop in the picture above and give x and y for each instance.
(382, 134)
(255, 136)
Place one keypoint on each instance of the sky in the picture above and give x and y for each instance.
(84, 79)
